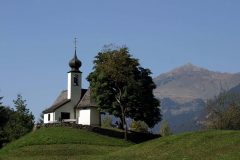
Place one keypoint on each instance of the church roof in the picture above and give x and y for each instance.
(75, 63)
(86, 101)
(61, 100)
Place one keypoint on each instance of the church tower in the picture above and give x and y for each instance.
(78, 106)
(74, 79)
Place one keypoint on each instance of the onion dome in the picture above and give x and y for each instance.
(75, 63)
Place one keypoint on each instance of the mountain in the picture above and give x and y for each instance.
(190, 82)
(235, 89)
(184, 91)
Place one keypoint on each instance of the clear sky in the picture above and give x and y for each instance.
(36, 39)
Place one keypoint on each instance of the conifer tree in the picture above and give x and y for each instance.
(21, 121)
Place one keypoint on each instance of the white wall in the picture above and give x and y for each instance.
(45, 118)
(55, 116)
(89, 117)
(84, 117)
(69, 86)
(74, 92)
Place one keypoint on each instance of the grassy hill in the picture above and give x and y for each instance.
(67, 143)
(61, 143)
(212, 145)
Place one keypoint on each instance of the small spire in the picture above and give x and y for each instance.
(75, 46)
(75, 63)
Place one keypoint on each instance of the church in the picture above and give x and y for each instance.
(75, 104)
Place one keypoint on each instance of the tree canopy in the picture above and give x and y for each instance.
(3, 114)
(15, 123)
(123, 88)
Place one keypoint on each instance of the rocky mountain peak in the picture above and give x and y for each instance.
(189, 67)
(190, 82)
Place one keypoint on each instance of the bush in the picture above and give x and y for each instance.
(139, 126)
(107, 122)
(165, 129)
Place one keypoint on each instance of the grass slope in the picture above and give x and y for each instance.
(212, 145)
(68, 143)
(61, 143)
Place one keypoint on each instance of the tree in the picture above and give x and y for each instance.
(123, 88)
(0, 101)
(223, 111)
(165, 129)
(21, 121)
(41, 118)
(5, 113)
(139, 126)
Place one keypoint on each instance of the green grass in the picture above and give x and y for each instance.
(61, 143)
(67, 143)
(212, 145)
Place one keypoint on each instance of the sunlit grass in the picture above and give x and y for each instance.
(189, 146)
(67, 143)
(61, 143)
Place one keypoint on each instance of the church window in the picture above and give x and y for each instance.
(48, 117)
(75, 80)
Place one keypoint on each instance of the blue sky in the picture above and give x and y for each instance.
(36, 39)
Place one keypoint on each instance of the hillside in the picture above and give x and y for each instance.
(235, 89)
(61, 143)
(67, 143)
(183, 92)
(212, 145)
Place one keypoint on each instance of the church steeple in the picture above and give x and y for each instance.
(75, 63)
(74, 79)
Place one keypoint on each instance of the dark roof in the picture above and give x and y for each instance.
(75, 63)
(60, 101)
(87, 101)
(61, 97)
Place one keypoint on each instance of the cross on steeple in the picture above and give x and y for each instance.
(75, 43)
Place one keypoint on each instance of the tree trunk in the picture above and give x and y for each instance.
(120, 125)
(125, 126)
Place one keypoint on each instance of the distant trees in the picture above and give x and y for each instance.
(139, 126)
(15, 123)
(123, 88)
(165, 129)
(223, 112)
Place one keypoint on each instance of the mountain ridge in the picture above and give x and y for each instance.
(184, 91)
(189, 82)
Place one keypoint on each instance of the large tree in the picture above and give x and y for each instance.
(123, 88)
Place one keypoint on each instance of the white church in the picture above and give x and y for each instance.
(74, 104)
